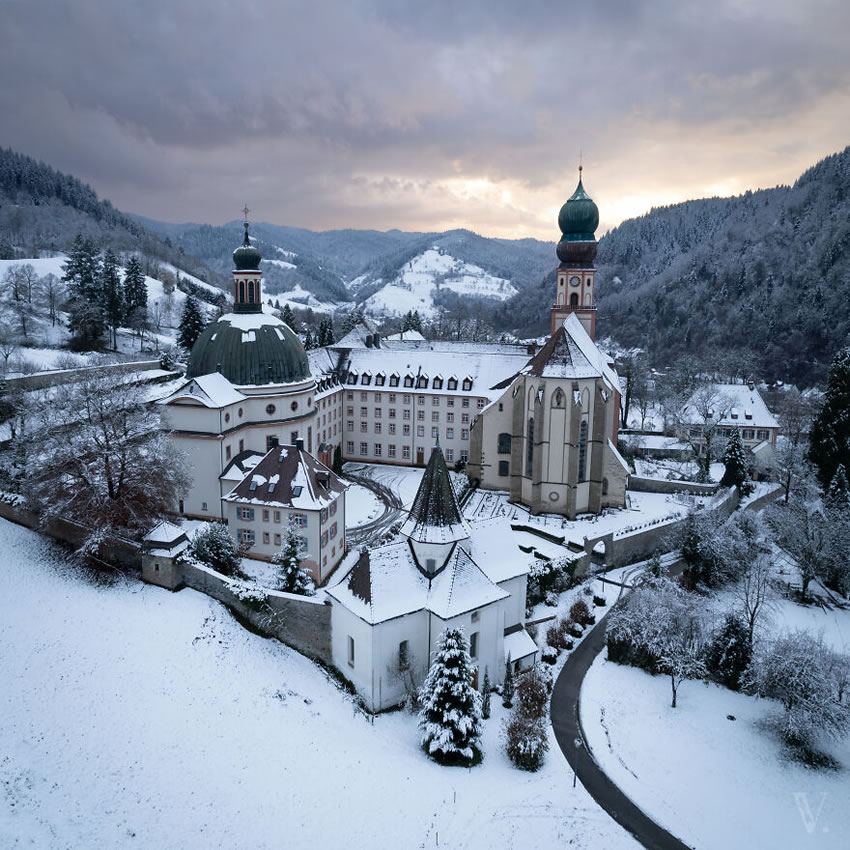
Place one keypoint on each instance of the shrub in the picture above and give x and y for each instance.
(580, 613)
(572, 628)
(729, 653)
(549, 655)
(599, 601)
(213, 547)
(526, 739)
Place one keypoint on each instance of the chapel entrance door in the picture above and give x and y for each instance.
(420, 457)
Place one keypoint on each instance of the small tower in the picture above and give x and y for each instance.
(435, 524)
(247, 295)
(578, 220)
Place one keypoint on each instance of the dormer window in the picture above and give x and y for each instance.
(422, 382)
(408, 380)
(394, 379)
(467, 384)
(366, 379)
(452, 385)
(437, 383)
(380, 378)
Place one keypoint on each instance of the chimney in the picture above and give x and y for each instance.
(376, 340)
(368, 340)
(531, 349)
(299, 444)
(751, 386)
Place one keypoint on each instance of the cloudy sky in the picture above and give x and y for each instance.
(422, 115)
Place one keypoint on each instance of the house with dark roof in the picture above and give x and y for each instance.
(290, 489)
(390, 603)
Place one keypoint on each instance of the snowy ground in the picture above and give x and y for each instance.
(134, 717)
(675, 469)
(643, 508)
(361, 506)
(402, 480)
(713, 782)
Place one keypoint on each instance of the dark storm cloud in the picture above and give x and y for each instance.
(374, 113)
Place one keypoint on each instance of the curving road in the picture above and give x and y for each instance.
(566, 722)
(372, 531)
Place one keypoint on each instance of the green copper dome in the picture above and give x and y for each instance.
(249, 348)
(246, 257)
(579, 217)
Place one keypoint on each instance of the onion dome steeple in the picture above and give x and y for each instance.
(246, 257)
(578, 220)
(247, 297)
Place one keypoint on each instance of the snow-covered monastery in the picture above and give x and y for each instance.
(540, 424)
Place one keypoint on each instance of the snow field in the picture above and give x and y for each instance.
(713, 782)
(134, 717)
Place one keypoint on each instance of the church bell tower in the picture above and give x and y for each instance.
(247, 297)
(578, 220)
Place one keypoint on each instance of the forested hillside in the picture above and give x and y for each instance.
(42, 209)
(765, 274)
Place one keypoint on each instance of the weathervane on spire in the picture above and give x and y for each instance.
(580, 165)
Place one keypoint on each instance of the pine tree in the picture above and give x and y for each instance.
(308, 341)
(829, 443)
(112, 294)
(485, 700)
(337, 462)
(326, 332)
(526, 736)
(508, 684)
(838, 495)
(450, 717)
(85, 312)
(412, 321)
(736, 474)
(191, 324)
(287, 317)
(730, 652)
(291, 578)
(135, 296)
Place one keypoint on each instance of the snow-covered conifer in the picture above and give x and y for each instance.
(450, 717)
(291, 578)
(485, 699)
(736, 473)
(191, 323)
(508, 684)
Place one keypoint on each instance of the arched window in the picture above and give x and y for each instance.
(582, 449)
(574, 299)
(604, 486)
(529, 457)
(504, 443)
(587, 298)
(241, 291)
(250, 291)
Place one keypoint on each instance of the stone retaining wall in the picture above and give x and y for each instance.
(662, 485)
(40, 380)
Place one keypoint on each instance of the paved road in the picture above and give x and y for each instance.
(567, 725)
(372, 531)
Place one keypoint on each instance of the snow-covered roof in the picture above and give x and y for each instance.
(487, 366)
(744, 407)
(384, 583)
(212, 390)
(460, 587)
(288, 477)
(240, 465)
(406, 336)
(571, 353)
(494, 547)
(435, 516)
(519, 644)
(165, 532)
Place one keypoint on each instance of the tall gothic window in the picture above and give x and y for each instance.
(250, 291)
(504, 443)
(241, 291)
(582, 449)
(529, 458)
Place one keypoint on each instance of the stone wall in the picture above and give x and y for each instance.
(661, 485)
(40, 380)
(639, 545)
(114, 550)
(302, 622)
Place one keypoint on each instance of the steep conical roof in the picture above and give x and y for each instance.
(435, 516)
